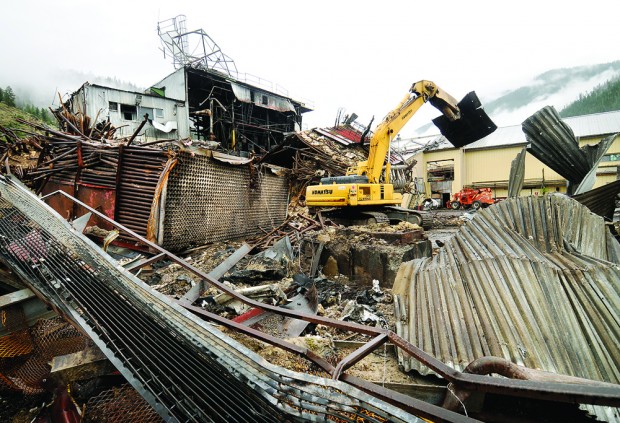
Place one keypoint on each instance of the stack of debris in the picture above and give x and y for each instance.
(300, 319)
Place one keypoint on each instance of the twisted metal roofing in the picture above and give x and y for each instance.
(535, 280)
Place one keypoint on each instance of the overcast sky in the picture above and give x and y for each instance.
(361, 56)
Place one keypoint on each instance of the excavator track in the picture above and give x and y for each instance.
(383, 215)
(418, 217)
(376, 217)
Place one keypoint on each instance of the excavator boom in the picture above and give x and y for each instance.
(461, 123)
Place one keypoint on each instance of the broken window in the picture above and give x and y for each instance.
(129, 112)
(442, 170)
(113, 106)
(153, 113)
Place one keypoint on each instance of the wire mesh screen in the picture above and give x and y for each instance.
(120, 405)
(208, 201)
(25, 353)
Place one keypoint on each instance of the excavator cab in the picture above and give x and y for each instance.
(471, 125)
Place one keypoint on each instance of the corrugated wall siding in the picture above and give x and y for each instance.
(534, 280)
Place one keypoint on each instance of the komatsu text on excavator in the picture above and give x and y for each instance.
(364, 194)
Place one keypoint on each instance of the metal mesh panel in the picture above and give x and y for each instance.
(25, 355)
(208, 201)
(17, 343)
(120, 405)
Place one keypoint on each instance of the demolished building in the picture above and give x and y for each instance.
(482, 306)
(92, 290)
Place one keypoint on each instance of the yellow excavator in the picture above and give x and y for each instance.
(365, 195)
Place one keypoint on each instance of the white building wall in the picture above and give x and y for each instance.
(126, 110)
(175, 85)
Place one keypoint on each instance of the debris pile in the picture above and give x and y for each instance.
(302, 319)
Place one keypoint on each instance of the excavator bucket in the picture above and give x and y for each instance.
(472, 125)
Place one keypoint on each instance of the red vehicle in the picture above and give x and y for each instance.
(475, 198)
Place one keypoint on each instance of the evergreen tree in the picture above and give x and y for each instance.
(1, 95)
(44, 115)
(603, 98)
(9, 97)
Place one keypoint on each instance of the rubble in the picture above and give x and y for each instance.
(303, 317)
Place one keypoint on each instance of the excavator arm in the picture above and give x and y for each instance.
(460, 128)
(461, 123)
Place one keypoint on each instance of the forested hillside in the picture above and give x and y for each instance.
(12, 109)
(603, 98)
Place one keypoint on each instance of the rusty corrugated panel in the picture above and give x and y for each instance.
(208, 201)
(535, 280)
(553, 142)
(139, 173)
(209, 197)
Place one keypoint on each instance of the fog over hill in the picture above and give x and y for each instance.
(557, 87)
(44, 89)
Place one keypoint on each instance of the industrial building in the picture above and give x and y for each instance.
(205, 99)
(201, 104)
(486, 163)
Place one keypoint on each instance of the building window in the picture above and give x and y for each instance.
(113, 106)
(611, 157)
(265, 100)
(442, 170)
(145, 110)
(129, 112)
(152, 112)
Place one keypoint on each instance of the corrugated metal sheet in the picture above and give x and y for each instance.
(517, 174)
(553, 142)
(535, 280)
(262, 98)
(602, 200)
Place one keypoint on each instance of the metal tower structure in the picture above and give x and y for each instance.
(193, 48)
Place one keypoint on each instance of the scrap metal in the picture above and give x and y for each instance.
(553, 142)
(513, 283)
(106, 292)
(164, 194)
(187, 370)
(601, 200)
(517, 175)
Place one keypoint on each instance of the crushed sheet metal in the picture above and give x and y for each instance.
(553, 142)
(186, 369)
(601, 200)
(534, 280)
(517, 175)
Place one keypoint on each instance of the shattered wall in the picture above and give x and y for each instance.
(535, 280)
